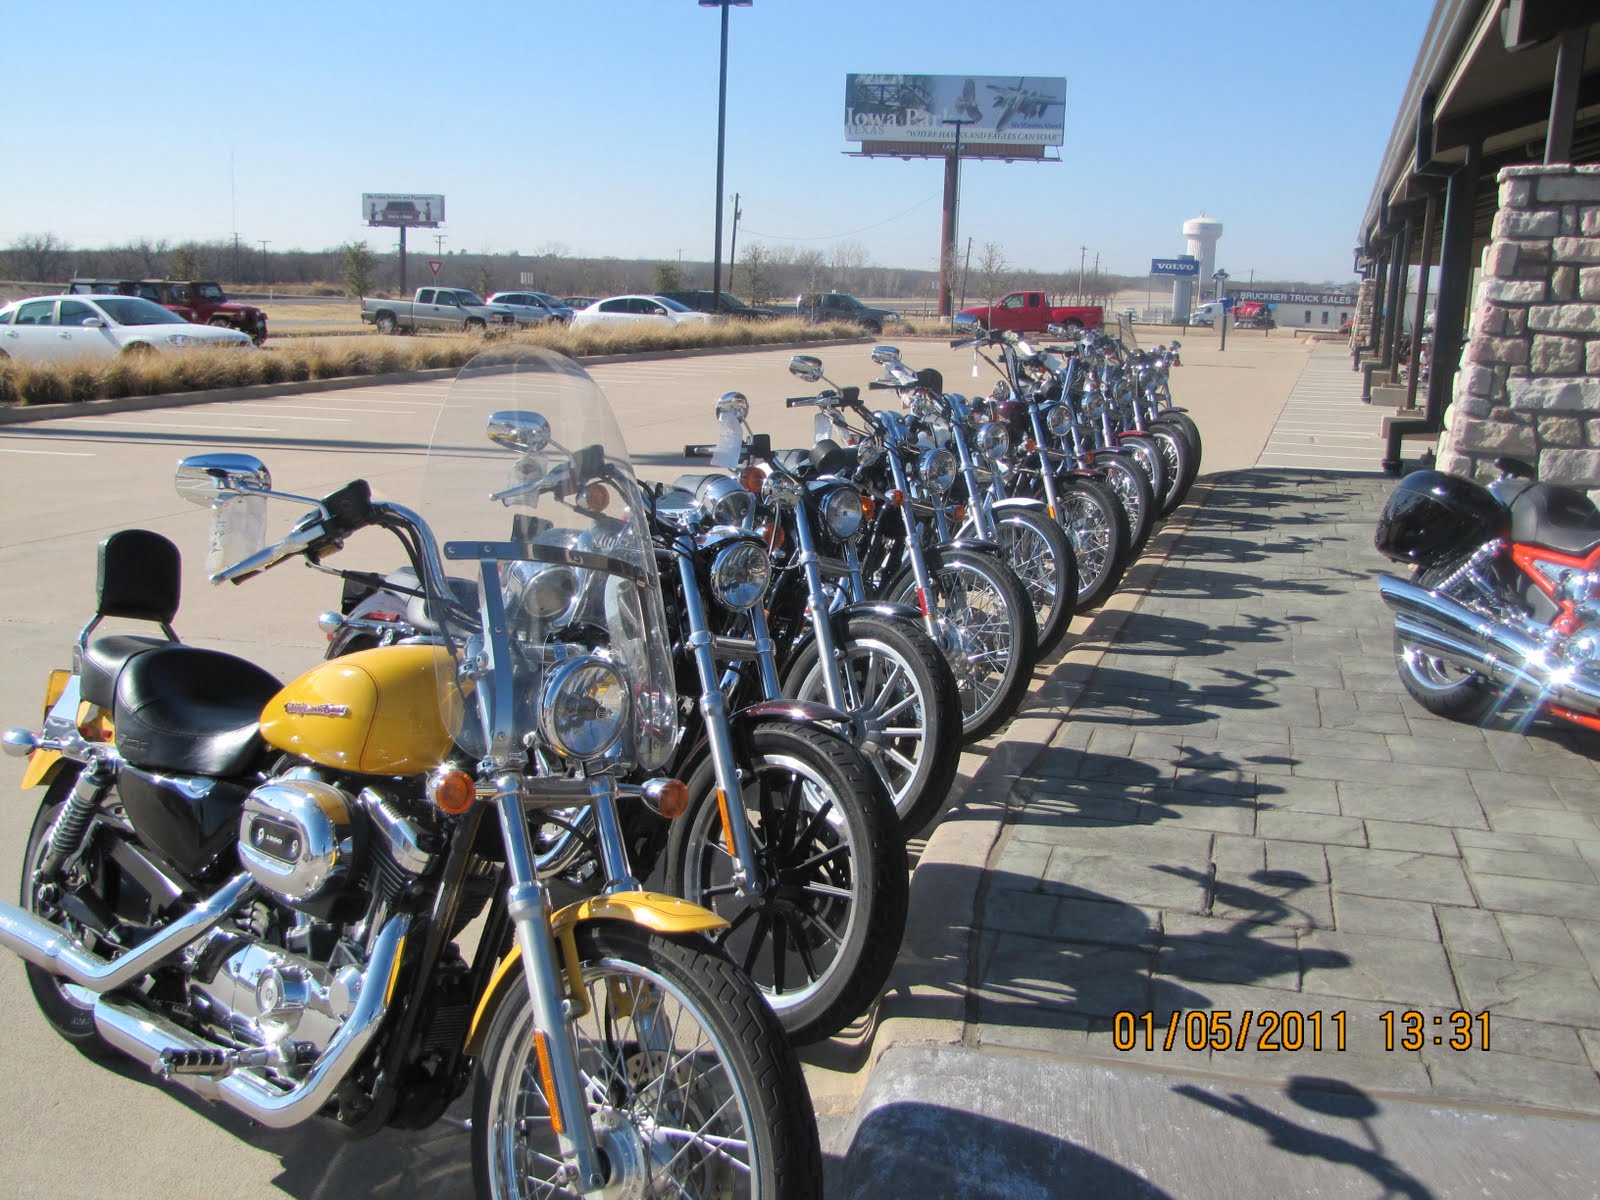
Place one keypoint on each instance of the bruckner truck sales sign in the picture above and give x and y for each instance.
(1015, 109)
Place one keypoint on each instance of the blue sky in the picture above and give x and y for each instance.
(590, 125)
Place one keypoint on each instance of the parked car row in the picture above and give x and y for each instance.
(199, 300)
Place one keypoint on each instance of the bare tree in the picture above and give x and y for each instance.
(849, 259)
(812, 266)
(185, 262)
(757, 264)
(150, 255)
(994, 272)
(41, 257)
(666, 278)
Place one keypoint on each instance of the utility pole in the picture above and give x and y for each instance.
(733, 244)
(236, 257)
(438, 245)
(266, 272)
(1083, 253)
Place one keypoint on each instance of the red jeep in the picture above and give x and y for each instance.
(200, 301)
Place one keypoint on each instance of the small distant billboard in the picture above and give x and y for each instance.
(402, 208)
(1176, 268)
(997, 115)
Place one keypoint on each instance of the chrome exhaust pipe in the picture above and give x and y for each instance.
(58, 952)
(145, 1036)
(1473, 642)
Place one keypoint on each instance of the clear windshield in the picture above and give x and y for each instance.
(530, 492)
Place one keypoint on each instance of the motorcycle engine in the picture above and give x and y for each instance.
(298, 837)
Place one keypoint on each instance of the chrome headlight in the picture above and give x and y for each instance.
(1059, 420)
(740, 573)
(724, 501)
(937, 469)
(585, 707)
(994, 441)
(841, 512)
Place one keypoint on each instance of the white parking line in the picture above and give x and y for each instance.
(236, 428)
(50, 453)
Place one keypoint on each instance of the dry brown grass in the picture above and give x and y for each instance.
(293, 361)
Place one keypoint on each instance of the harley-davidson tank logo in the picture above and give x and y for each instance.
(296, 708)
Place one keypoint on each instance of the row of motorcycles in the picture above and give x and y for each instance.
(416, 870)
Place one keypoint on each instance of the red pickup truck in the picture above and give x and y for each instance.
(1028, 312)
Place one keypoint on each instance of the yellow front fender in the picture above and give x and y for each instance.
(656, 912)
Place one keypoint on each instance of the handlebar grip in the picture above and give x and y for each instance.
(883, 385)
(803, 401)
(699, 451)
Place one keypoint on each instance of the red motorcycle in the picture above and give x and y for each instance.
(1504, 596)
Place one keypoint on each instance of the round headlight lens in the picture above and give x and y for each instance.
(1058, 420)
(740, 573)
(841, 512)
(937, 469)
(585, 707)
(994, 441)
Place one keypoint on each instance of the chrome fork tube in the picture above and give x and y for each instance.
(528, 904)
(1047, 474)
(821, 616)
(719, 736)
(914, 552)
(980, 515)
(766, 654)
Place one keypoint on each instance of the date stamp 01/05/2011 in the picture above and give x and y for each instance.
(1289, 1030)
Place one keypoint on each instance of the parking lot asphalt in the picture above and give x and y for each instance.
(1217, 799)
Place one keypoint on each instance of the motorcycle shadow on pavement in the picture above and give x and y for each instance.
(318, 1161)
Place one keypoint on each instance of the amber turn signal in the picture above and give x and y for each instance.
(597, 497)
(751, 479)
(452, 791)
(669, 797)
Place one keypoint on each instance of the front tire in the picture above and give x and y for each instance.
(900, 689)
(821, 940)
(1182, 464)
(991, 638)
(1097, 527)
(1040, 552)
(689, 1079)
(1131, 487)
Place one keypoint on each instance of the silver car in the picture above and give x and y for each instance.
(532, 308)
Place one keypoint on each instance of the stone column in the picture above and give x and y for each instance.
(1529, 384)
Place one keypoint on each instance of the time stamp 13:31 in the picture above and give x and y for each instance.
(1290, 1030)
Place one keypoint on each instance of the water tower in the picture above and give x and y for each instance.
(1202, 233)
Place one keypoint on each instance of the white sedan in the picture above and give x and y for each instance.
(59, 328)
(638, 311)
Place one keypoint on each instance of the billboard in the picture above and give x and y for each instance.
(993, 110)
(402, 208)
(1182, 267)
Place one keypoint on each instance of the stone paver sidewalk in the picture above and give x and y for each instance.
(1238, 809)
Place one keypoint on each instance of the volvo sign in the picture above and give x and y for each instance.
(1175, 268)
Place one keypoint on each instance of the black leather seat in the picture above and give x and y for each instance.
(191, 711)
(1561, 518)
(103, 660)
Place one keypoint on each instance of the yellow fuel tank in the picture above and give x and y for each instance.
(391, 711)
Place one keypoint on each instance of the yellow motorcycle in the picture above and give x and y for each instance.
(260, 890)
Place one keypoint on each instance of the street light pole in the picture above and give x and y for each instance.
(722, 129)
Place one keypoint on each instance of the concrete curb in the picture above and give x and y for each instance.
(21, 415)
(948, 888)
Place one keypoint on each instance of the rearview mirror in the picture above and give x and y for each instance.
(885, 354)
(806, 366)
(734, 402)
(208, 479)
(527, 432)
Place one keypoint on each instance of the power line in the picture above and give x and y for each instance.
(828, 237)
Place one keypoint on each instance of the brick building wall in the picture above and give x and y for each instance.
(1529, 383)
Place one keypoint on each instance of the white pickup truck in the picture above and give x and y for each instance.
(436, 308)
